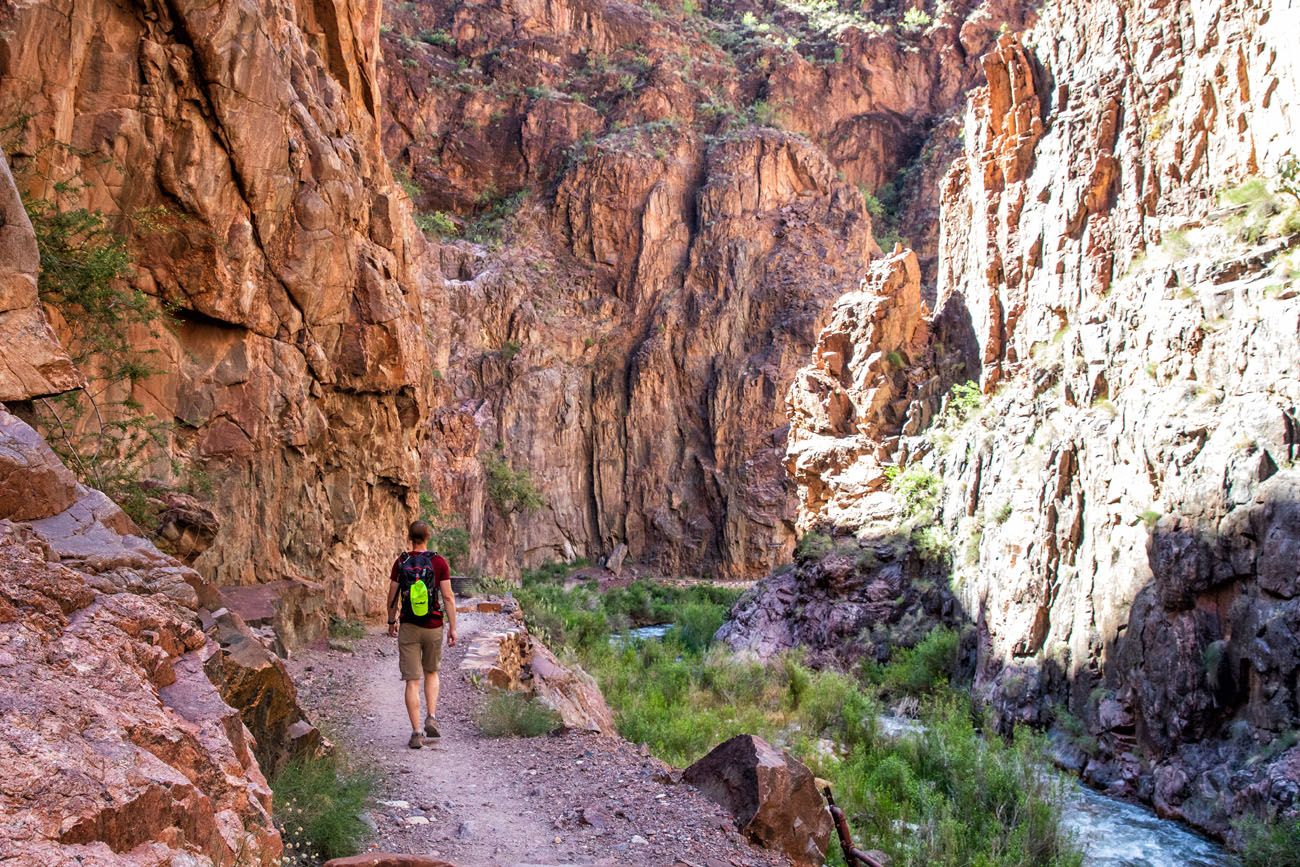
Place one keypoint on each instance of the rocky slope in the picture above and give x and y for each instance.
(678, 194)
(258, 208)
(1116, 499)
(115, 745)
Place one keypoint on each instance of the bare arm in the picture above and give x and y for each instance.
(394, 595)
(449, 603)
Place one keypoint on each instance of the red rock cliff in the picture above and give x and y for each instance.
(293, 362)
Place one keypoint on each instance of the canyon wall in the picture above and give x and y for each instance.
(1115, 499)
(235, 146)
(649, 213)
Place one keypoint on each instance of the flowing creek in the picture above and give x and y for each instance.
(1113, 833)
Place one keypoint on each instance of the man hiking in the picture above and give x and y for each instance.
(419, 578)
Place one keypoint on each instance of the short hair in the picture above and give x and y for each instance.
(419, 532)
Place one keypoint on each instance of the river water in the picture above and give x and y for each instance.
(1112, 833)
(1118, 834)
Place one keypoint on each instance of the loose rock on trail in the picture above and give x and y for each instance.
(570, 798)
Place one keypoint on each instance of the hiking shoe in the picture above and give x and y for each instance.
(431, 727)
(416, 741)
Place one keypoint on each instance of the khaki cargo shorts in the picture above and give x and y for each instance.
(419, 650)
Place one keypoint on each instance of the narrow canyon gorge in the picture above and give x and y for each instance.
(981, 317)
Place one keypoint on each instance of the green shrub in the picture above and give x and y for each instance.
(438, 37)
(493, 586)
(510, 489)
(915, 19)
(318, 806)
(697, 622)
(813, 546)
(1003, 513)
(964, 401)
(448, 539)
(403, 178)
(437, 223)
(917, 490)
(762, 113)
(1270, 844)
(920, 669)
(515, 715)
(934, 545)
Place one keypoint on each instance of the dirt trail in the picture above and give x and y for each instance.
(558, 800)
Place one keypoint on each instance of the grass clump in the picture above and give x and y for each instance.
(318, 804)
(933, 544)
(516, 715)
(510, 489)
(1258, 212)
(346, 629)
(915, 20)
(1270, 844)
(440, 38)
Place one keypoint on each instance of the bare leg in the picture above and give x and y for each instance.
(413, 703)
(431, 685)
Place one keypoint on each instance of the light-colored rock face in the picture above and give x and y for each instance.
(632, 340)
(115, 746)
(32, 363)
(294, 359)
(1118, 499)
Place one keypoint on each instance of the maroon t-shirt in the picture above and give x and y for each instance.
(441, 573)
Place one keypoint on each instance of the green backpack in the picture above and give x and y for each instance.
(416, 570)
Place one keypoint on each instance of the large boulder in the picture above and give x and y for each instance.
(772, 794)
(514, 659)
(254, 680)
(386, 859)
(571, 692)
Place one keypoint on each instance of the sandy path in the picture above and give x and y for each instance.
(560, 800)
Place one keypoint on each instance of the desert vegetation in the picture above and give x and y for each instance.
(949, 793)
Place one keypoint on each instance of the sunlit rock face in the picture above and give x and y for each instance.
(1117, 499)
(236, 146)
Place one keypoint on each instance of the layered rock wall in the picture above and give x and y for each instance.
(235, 146)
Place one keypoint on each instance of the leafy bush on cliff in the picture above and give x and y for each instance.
(318, 804)
(917, 490)
(101, 431)
(812, 546)
(510, 489)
